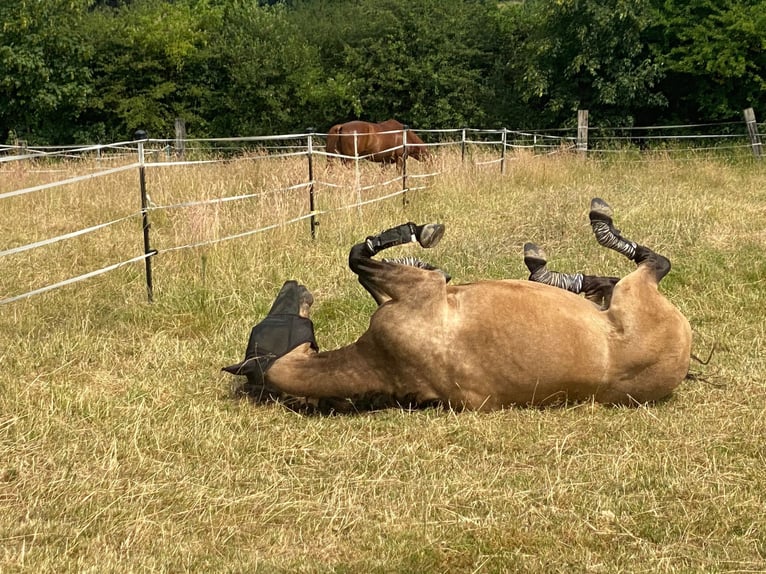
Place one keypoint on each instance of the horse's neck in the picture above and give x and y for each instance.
(344, 372)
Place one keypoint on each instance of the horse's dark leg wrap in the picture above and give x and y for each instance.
(399, 235)
(606, 234)
(535, 260)
(370, 271)
(427, 235)
(596, 289)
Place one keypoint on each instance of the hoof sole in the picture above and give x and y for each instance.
(430, 235)
(600, 209)
(534, 253)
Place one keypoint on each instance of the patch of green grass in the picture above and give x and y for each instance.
(122, 449)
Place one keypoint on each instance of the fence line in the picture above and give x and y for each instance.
(68, 181)
(539, 140)
(73, 280)
(65, 236)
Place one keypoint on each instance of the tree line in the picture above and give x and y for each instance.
(77, 71)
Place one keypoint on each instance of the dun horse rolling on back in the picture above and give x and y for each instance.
(381, 142)
(483, 345)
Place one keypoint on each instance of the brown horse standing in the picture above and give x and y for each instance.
(381, 142)
(484, 345)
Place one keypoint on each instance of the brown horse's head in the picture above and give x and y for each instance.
(416, 147)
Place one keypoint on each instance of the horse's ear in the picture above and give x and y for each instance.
(291, 298)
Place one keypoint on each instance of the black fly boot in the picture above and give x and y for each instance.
(605, 232)
(535, 260)
(427, 235)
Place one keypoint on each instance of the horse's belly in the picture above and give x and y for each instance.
(534, 347)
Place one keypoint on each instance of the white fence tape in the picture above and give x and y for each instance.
(543, 141)
(74, 279)
(68, 181)
(58, 238)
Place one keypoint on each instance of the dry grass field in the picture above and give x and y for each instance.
(123, 449)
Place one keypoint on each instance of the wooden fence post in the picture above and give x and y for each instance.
(752, 131)
(582, 131)
(462, 148)
(502, 156)
(180, 138)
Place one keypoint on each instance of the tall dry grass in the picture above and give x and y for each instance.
(122, 450)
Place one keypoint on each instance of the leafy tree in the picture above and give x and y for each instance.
(44, 77)
(265, 73)
(422, 61)
(85, 70)
(714, 53)
(149, 66)
(581, 54)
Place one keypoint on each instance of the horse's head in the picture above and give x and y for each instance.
(286, 326)
(416, 147)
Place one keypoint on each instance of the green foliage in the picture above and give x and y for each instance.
(85, 70)
(148, 63)
(264, 72)
(715, 55)
(44, 77)
(421, 61)
(582, 54)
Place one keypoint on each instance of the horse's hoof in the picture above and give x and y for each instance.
(430, 234)
(600, 209)
(534, 253)
(534, 257)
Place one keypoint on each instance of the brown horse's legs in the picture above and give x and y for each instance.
(606, 234)
(596, 289)
(536, 262)
(371, 271)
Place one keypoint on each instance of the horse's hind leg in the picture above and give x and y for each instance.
(606, 234)
(383, 278)
(596, 289)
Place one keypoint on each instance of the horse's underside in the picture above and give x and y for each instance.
(484, 345)
(378, 142)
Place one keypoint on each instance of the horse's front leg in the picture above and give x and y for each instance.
(389, 278)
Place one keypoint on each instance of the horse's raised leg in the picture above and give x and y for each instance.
(383, 279)
(536, 262)
(606, 234)
(596, 289)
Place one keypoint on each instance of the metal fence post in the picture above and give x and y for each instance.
(140, 135)
(357, 175)
(462, 148)
(404, 165)
(313, 221)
